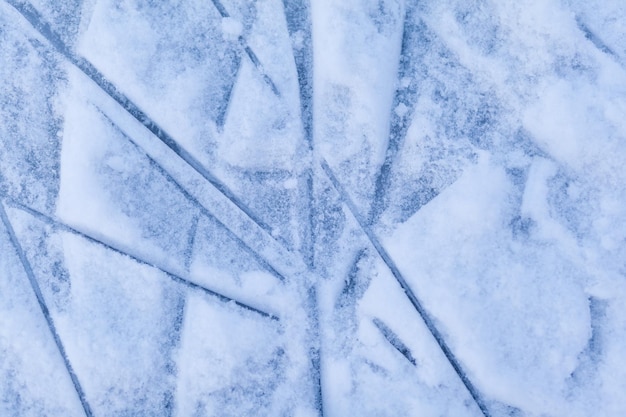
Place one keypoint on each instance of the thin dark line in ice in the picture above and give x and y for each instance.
(307, 220)
(34, 18)
(456, 365)
(223, 107)
(262, 261)
(593, 38)
(405, 95)
(44, 309)
(253, 57)
(351, 279)
(191, 240)
(394, 340)
(220, 8)
(257, 64)
(112, 247)
(315, 351)
(170, 395)
(297, 16)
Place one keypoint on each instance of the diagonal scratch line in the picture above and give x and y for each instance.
(174, 277)
(255, 60)
(223, 108)
(220, 8)
(594, 38)
(44, 309)
(34, 18)
(257, 64)
(262, 261)
(398, 124)
(394, 340)
(298, 17)
(407, 290)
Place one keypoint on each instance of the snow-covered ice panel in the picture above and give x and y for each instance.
(173, 59)
(111, 188)
(118, 320)
(30, 80)
(232, 365)
(33, 379)
(515, 307)
(579, 122)
(559, 94)
(263, 132)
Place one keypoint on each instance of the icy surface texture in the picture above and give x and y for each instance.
(312, 208)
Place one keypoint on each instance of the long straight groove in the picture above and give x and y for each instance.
(262, 261)
(298, 18)
(44, 309)
(34, 18)
(405, 95)
(223, 107)
(220, 8)
(349, 289)
(191, 241)
(315, 352)
(253, 57)
(174, 277)
(408, 291)
(257, 64)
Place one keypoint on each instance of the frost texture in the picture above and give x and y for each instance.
(266, 208)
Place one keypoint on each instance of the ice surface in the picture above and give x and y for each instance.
(34, 380)
(292, 208)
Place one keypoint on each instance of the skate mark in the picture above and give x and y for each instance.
(394, 340)
(44, 309)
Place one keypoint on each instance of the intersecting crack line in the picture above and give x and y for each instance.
(253, 57)
(399, 123)
(34, 18)
(44, 309)
(426, 318)
(259, 258)
(298, 18)
(111, 246)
